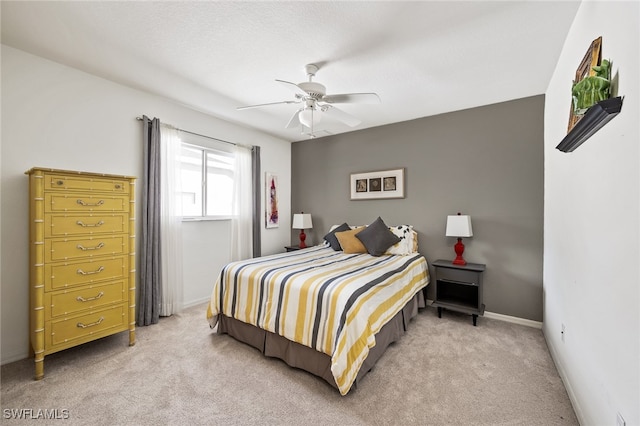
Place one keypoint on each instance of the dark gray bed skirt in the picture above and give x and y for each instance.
(318, 363)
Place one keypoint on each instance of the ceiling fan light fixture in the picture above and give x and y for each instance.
(309, 117)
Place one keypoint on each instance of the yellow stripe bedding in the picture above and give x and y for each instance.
(332, 302)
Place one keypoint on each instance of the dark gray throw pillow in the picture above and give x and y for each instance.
(377, 237)
(331, 236)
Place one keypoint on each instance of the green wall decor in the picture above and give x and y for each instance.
(592, 89)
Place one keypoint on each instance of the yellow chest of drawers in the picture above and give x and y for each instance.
(82, 259)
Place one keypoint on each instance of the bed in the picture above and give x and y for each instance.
(330, 309)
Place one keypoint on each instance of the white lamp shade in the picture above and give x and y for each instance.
(302, 221)
(459, 226)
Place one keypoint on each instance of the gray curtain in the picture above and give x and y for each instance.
(257, 191)
(150, 286)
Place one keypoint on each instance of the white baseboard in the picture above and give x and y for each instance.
(565, 381)
(14, 358)
(195, 302)
(508, 318)
(515, 320)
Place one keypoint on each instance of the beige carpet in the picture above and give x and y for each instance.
(443, 371)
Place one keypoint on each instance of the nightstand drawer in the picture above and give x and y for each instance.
(90, 297)
(468, 277)
(58, 276)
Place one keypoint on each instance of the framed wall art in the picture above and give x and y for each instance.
(376, 185)
(272, 219)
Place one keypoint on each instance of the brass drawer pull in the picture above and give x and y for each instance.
(118, 186)
(97, 271)
(88, 225)
(82, 203)
(83, 248)
(82, 299)
(59, 182)
(82, 325)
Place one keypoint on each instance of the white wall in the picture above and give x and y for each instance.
(58, 117)
(200, 263)
(592, 234)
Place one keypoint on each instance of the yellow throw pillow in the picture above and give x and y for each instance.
(349, 243)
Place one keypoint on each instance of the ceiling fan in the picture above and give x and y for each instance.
(315, 102)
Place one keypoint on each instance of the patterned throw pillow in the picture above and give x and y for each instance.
(408, 243)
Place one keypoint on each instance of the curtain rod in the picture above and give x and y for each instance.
(204, 136)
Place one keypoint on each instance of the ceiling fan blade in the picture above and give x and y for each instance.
(338, 114)
(294, 121)
(293, 87)
(346, 98)
(267, 104)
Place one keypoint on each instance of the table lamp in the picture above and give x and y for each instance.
(302, 221)
(459, 226)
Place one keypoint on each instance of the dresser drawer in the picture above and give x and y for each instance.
(60, 249)
(59, 182)
(60, 225)
(82, 202)
(58, 276)
(68, 302)
(70, 331)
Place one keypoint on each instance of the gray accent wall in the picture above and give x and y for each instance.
(487, 162)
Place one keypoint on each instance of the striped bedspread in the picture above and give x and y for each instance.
(332, 302)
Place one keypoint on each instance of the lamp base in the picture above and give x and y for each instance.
(303, 237)
(459, 249)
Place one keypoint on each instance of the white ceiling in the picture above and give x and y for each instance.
(422, 58)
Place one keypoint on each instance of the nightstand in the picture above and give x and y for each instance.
(292, 248)
(459, 288)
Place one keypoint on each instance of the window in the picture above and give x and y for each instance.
(207, 182)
